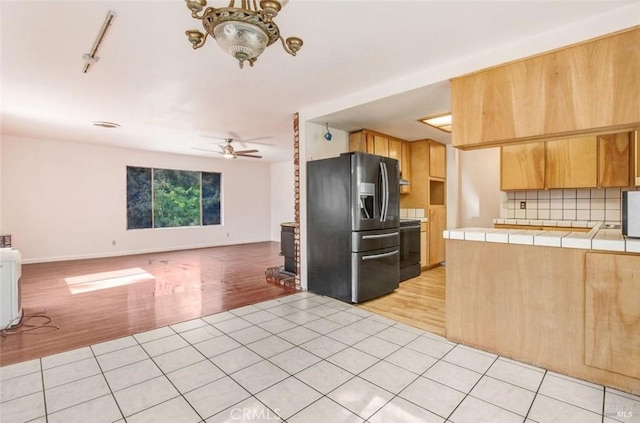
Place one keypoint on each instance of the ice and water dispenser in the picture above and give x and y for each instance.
(366, 194)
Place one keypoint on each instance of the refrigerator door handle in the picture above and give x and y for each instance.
(385, 192)
(382, 235)
(379, 256)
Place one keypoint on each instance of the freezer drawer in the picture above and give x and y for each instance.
(374, 240)
(374, 273)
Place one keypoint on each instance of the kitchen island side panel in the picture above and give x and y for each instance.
(329, 227)
(523, 302)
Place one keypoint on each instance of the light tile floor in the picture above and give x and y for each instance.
(301, 358)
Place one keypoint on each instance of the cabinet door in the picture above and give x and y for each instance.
(522, 166)
(406, 167)
(569, 90)
(572, 163)
(419, 197)
(380, 145)
(424, 244)
(614, 160)
(358, 141)
(361, 141)
(437, 160)
(395, 151)
(612, 315)
(437, 224)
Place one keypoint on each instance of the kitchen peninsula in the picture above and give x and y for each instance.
(566, 301)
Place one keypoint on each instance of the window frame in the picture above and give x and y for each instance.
(201, 178)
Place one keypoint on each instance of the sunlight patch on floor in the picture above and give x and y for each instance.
(105, 280)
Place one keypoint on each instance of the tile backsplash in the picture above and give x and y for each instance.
(564, 204)
(410, 213)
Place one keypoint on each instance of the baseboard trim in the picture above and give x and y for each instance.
(133, 252)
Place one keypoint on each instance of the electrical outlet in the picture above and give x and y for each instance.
(523, 204)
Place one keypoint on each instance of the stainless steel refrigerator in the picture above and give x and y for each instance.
(353, 226)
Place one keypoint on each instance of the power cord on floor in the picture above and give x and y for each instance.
(24, 326)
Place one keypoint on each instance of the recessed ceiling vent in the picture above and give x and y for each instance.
(102, 124)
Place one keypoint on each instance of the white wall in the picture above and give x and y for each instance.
(452, 187)
(64, 200)
(479, 195)
(319, 148)
(282, 196)
(1, 226)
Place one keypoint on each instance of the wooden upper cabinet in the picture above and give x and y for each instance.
(406, 167)
(437, 160)
(572, 163)
(380, 145)
(361, 141)
(522, 166)
(395, 150)
(419, 160)
(584, 88)
(614, 160)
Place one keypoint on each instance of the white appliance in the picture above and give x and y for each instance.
(10, 290)
(631, 213)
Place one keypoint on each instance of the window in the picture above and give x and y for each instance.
(164, 198)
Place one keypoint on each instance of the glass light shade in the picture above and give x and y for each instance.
(242, 40)
(439, 121)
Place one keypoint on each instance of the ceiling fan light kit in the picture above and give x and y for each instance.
(244, 32)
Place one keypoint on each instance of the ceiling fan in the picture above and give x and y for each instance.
(228, 152)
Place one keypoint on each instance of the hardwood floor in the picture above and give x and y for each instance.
(419, 302)
(96, 300)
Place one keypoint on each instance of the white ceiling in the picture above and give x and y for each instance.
(170, 98)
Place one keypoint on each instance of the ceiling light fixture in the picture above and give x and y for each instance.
(328, 135)
(103, 124)
(244, 32)
(441, 121)
(91, 58)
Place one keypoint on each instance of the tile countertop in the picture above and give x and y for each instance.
(598, 238)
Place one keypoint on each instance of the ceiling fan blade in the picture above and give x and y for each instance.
(248, 155)
(204, 149)
(246, 151)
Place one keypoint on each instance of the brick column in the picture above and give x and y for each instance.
(296, 173)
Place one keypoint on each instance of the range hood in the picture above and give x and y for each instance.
(403, 181)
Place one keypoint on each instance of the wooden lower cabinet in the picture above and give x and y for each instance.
(636, 145)
(437, 225)
(612, 313)
(550, 307)
(424, 244)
